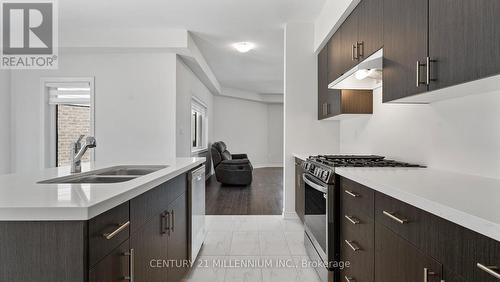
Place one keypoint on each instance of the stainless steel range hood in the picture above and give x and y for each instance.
(367, 75)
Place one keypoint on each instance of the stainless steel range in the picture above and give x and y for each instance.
(322, 207)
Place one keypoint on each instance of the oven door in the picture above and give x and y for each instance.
(316, 214)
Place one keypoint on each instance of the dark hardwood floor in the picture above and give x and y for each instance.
(263, 197)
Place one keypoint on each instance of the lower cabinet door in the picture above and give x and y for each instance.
(396, 260)
(178, 239)
(113, 267)
(150, 251)
(299, 192)
(487, 260)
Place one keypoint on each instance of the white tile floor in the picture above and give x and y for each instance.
(253, 249)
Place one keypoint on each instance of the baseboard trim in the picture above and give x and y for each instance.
(268, 165)
(290, 215)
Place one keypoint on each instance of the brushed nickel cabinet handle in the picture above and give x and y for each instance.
(120, 228)
(428, 273)
(428, 62)
(349, 279)
(352, 194)
(352, 245)
(491, 270)
(131, 276)
(163, 227)
(173, 220)
(419, 64)
(392, 216)
(354, 52)
(352, 219)
(361, 49)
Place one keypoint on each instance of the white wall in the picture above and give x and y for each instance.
(135, 106)
(460, 135)
(275, 117)
(5, 126)
(249, 127)
(303, 132)
(189, 85)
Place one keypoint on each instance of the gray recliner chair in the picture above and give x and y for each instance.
(231, 169)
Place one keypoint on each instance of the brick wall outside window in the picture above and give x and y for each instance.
(72, 121)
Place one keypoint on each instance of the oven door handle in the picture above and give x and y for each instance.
(314, 185)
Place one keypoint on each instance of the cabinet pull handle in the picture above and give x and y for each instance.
(419, 64)
(349, 279)
(491, 270)
(352, 194)
(428, 62)
(352, 219)
(361, 49)
(120, 228)
(163, 228)
(352, 245)
(130, 254)
(428, 273)
(173, 220)
(392, 216)
(354, 52)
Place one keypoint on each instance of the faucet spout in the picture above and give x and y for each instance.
(78, 150)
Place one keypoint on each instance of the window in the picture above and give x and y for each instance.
(199, 124)
(69, 115)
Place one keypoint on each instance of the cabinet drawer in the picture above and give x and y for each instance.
(155, 201)
(357, 197)
(354, 236)
(412, 224)
(487, 259)
(107, 231)
(114, 267)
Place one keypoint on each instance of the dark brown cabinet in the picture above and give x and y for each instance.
(299, 190)
(335, 66)
(328, 99)
(405, 48)
(349, 53)
(150, 243)
(463, 40)
(370, 27)
(177, 243)
(397, 260)
(114, 267)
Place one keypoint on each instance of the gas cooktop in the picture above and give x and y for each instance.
(358, 161)
(323, 166)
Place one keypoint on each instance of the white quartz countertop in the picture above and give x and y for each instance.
(470, 201)
(23, 199)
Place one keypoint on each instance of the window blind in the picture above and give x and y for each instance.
(69, 93)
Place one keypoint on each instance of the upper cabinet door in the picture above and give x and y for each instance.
(405, 44)
(335, 61)
(348, 47)
(370, 27)
(328, 99)
(464, 39)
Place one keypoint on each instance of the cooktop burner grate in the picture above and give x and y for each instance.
(359, 161)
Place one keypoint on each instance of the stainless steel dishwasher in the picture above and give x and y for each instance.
(196, 196)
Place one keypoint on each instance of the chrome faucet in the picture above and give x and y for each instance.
(78, 150)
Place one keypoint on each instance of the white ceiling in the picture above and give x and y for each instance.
(215, 25)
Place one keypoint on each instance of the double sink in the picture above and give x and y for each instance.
(115, 174)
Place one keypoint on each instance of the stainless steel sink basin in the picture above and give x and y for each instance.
(114, 174)
(95, 179)
(131, 170)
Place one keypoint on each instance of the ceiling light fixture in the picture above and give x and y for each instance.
(243, 47)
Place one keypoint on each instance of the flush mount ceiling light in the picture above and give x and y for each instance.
(243, 47)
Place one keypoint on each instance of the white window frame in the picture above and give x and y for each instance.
(48, 146)
(202, 108)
